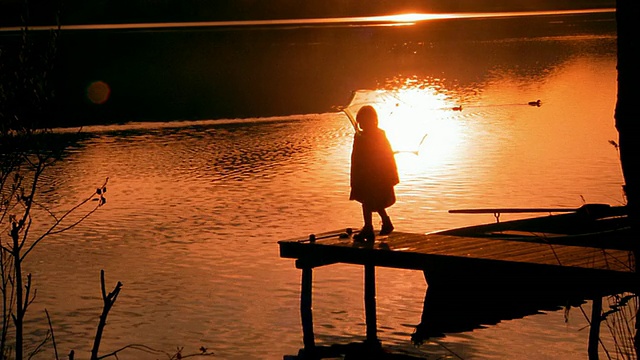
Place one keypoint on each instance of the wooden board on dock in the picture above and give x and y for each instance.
(439, 253)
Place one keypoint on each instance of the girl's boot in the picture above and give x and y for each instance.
(387, 226)
(365, 234)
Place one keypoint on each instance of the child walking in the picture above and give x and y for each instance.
(373, 173)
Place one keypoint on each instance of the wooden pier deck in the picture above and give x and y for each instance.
(420, 251)
(464, 261)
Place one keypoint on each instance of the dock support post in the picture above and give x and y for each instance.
(305, 309)
(370, 304)
(594, 330)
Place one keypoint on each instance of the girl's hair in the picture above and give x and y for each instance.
(367, 117)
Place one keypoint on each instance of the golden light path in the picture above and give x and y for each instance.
(386, 20)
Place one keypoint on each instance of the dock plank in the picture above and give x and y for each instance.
(395, 249)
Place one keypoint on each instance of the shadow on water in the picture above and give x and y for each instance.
(475, 299)
(453, 307)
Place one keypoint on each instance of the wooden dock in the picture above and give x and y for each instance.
(462, 261)
(417, 251)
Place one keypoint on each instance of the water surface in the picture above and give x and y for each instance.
(195, 208)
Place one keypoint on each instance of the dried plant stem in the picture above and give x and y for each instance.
(108, 301)
(53, 338)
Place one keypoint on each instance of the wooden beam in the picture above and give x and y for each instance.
(313, 262)
(509, 210)
(370, 304)
(306, 313)
(594, 330)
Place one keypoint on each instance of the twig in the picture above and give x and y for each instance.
(109, 300)
(150, 350)
(53, 338)
(38, 348)
(138, 347)
(449, 350)
(52, 229)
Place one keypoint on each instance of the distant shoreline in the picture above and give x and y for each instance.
(167, 74)
(389, 20)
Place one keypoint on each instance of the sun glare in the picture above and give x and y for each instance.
(419, 121)
(411, 117)
(413, 17)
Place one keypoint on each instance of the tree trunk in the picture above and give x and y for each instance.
(627, 13)
(626, 112)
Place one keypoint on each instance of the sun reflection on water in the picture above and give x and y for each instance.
(419, 121)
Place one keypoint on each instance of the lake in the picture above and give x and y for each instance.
(219, 142)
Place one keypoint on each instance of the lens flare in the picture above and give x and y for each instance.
(98, 92)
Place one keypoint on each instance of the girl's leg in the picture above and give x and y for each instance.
(367, 215)
(366, 234)
(387, 226)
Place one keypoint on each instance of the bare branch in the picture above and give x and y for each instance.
(45, 209)
(25, 232)
(77, 222)
(11, 195)
(52, 230)
(38, 348)
(204, 353)
(108, 300)
(27, 288)
(53, 338)
(36, 175)
(139, 347)
(33, 298)
(150, 350)
(102, 285)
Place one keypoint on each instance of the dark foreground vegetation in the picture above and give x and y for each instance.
(28, 148)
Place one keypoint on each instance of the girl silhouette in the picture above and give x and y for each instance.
(373, 173)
